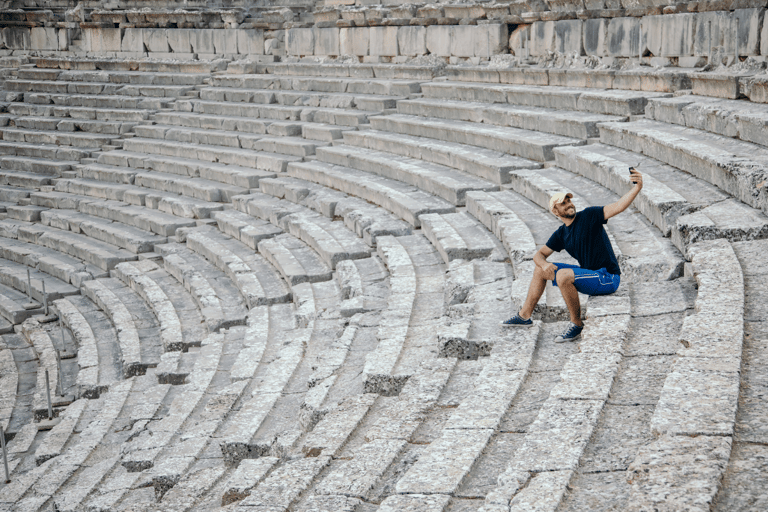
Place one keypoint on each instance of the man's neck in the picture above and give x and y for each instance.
(567, 221)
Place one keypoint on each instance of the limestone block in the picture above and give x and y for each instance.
(748, 25)
(542, 38)
(623, 39)
(326, 41)
(250, 42)
(202, 41)
(714, 29)
(439, 40)
(156, 40)
(44, 38)
(383, 41)
(568, 37)
(595, 35)
(133, 40)
(650, 35)
(412, 40)
(353, 41)
(300, 41)
(677, 35)
(16, 38)
(179, 40)
(106, 40)
(490, 39)
(224, 41)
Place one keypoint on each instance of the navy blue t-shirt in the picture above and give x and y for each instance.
(586, 240)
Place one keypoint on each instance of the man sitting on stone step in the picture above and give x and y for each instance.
(582, 235)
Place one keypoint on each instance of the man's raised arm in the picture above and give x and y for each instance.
(622, 204)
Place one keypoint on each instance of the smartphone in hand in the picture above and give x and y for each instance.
(630, 172)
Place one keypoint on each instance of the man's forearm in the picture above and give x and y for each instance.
(540, 260)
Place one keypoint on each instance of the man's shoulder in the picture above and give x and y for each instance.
(595, 213)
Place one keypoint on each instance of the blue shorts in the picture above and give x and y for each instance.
(591, 282)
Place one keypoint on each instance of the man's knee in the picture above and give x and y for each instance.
(538, 273)
(564, 277)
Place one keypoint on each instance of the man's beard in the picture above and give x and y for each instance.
(568, 215)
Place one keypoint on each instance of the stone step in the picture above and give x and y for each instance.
(163, 224)
(100, 254)
(14, 275)
(243, 110)
(24, 180)
(43, 151)
(80, 113)
(737, 167)
(240, 124)
(127, 237)
(248, 158)
(256, 279)
(244, 227)
(99, 101)
(53, 444)
(36, 165)
(88, 375)
(74, 125)
(485, 163)
(12, 304)
(568, 123)
(9, 383)
(457, 236)
(167, 202)
(301, 98)
(131, 77)
(528, 144)
(295, 261)
(103, 293)
(361, 217)
(76, 139)
(61, 468)
(503, 222)
(198, 188)
(13, 194)
(683, 208)
(730, 118)
(403, 200)
(325, 84)
(48, 261)
(295, 146)
(81, 87)
(217, 296)
(598, 101)
(436, 179)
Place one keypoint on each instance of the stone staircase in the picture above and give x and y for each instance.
(283, 291)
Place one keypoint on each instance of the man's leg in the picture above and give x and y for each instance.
(565, 279)
(535, 290)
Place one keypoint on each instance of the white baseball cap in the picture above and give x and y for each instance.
(557, 199)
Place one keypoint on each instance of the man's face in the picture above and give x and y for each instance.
(566, 209)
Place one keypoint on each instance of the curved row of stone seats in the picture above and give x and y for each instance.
(697, 408)
(258, 281)
(115, 76)
(359, 283)
(436, 179)
(457, 236)
(181, 450)
(34, 488)
(567, 123)
(734, 166)
(279, 82)
(137, 203)
(554, 443)
(53, 444)
(527, 144)
(331, 240)
(113, 120)
(14, 304)
(403, 200)
(91, 380)
(100, 254)
(62, 84)
(494, 166)
(9, 381)
(686, 208)
(49, 157)
(359, 216)
(730, 118)
(138, 332)
(218, 297)
(445, 463)
(14, 275)
(596, 101)
(272, 145)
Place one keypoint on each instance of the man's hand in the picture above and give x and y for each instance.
(549, 271)
(622, 204)
(636, 178)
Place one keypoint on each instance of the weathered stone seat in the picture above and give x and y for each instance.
(736, 167)
(568, 123)
(124, 116)
(27, 165)
(598, 101)
(528, 144)
(458, 236)
(12, 305)
(218, 297)
(100, 254)
(43, 151)
(114, 101)
(9, 383)
(127, 77)
(403, 200)
(491, 165)
(137, 328)
(74, 125)
(76, 139)
(436, 179)
(679, 204)
(382, 87)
